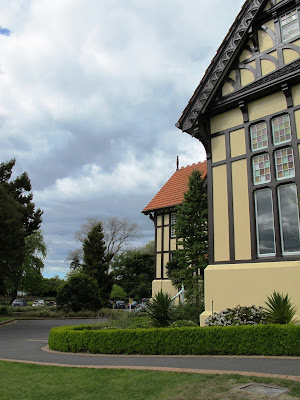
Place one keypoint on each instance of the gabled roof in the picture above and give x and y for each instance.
(214, 75)
(172, 193)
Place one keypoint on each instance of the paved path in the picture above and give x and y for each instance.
(24, 341)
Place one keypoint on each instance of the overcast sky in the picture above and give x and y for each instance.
(90, 91)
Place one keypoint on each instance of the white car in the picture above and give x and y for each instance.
(38, 303)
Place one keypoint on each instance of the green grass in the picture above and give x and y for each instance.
(2, 319)
(32, 382)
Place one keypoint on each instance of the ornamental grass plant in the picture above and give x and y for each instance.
(280, 309)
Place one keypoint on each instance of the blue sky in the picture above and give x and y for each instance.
(89, 95)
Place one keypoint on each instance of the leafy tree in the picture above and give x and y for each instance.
(117, 233)
(117, 293)
(190, 260)
(19, 220)
(35, 253)
(95, 261)
(80, 292)
(50, 286)
(133, 271)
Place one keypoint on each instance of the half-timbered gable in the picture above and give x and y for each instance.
(162, 211)
(246, 112)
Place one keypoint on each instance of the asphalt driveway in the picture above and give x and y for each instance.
(25, 340)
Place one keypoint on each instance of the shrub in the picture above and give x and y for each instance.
(237, 316)
(280, 309)
(160, 309)
(272, 340)
(80, 292)
(3, 310)
(181, 323)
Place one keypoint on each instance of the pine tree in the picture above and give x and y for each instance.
(191, 258)
(95, 260)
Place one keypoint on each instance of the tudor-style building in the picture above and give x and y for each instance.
(162, 211)
(246, 112)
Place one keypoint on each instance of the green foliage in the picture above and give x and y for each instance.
(280, 309)
(269, 340)
(96, 263)
(79, 292)
(50, 286)
(18, 220)
(133, 271)
(118, 293)
(3, 310)
(190, 260)
(33, 263)
(160, 309)
(182, 323)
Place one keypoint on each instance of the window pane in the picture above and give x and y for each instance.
(281, 129)
(259, 136)
(284, 161)
(264, 223)
(289, 26)
(289, 218)
(261, 169)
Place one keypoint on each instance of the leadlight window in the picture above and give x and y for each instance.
(284, 162)
(289, 219)
(264, 223)
(261, 169)
(173, 223)
(259, 136)
(281, 129)
(289, 26)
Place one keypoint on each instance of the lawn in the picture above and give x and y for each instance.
(32, 382)
(2, 319)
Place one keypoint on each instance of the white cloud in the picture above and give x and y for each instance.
(89, 95)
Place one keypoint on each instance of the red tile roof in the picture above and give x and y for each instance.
(172, 192)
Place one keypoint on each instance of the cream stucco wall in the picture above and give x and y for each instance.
(297, 119)
(267, 105)
(247, 76)
(237, 143)
(289, 55)
(241, 215)
(264, 40)
(166, 238)
(296, 94)
(218, 148)
(164, 285)
(267, 66)
(158, 266)
(220, 210)
(249, 284)
(226, 120)
(159, 237)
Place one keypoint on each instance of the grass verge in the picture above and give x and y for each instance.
(33, 382)
(2, 319)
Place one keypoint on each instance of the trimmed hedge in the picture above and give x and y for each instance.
(268, 340)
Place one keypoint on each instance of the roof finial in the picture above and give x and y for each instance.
(177, 163)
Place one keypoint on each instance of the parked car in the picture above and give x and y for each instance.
(133, 304)
(19, 303)
(120, 304)
(146, 300)
(51, 303)
(140, 307)
(38, 303)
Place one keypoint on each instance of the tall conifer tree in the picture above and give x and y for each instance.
(191, 258)
(95, 260)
